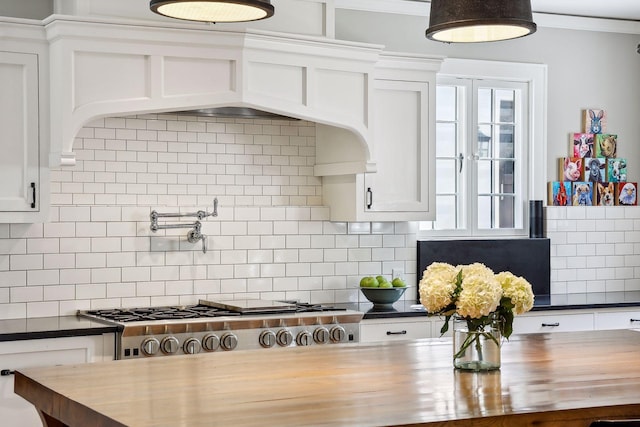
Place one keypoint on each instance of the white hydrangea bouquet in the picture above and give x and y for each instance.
(475, 294)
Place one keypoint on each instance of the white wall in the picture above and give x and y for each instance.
(586, 69)
(30, 9)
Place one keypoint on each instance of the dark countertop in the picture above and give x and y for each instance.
(51, 327)
(69, 326)
(582, 301)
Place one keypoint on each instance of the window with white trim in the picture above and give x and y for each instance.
(484, 158)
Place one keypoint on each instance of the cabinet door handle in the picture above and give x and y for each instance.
(397, 333)
(33, 192)
(369, 198)
(634, 320)
(550, 324)
(6, 372)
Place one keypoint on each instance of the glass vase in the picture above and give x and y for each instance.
(476, 348)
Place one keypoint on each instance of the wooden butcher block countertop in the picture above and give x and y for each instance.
(565, 379)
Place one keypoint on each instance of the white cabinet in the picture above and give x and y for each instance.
(402, 186)
(618, 319)
(14, 410)
(376, 330)
(555, 321)
(23, 118)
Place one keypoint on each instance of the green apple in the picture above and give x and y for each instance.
(380, 279)
(368, 282)
(386, 284)
(398, 283)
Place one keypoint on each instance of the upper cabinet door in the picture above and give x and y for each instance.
(402, 150)
(19, 135)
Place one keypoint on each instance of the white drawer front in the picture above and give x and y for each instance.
(394, 331)
(618, 320)
(553, 323)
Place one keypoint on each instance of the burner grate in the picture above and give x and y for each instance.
(199, 311)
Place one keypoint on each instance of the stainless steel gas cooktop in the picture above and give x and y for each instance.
(227, 325)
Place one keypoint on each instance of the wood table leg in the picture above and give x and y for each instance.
(49, 421)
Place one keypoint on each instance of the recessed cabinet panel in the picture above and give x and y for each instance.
(278, 81)
(19, 163)
(401, 144)
(349, 88)
(184, 76)
(95, 79)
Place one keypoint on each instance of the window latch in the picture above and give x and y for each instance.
(461, 159)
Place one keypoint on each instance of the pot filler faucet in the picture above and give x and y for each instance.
(194, 235)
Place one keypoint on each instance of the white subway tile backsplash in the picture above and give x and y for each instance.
(73, 276)
(43, 277)
(42, 309)
(91, 260)
(58, 293)
(25, 262)
(26, 293)
(181, 287)
(272, 238)
(26, 230)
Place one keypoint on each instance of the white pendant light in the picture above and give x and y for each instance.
(473, 21)
(214, 10)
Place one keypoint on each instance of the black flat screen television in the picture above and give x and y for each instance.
(529, 258)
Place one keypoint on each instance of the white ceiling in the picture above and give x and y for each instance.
(613, 9)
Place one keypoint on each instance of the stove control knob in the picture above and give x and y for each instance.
(321, 335)
(267, 339)
(211, 342)
(150, 346)
(192, 346)
(284, 337)
(169, 345)
(304, 338)
(337, 334)
(228, 341)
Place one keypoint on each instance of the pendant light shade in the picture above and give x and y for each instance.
(473, 21)
(214, 10)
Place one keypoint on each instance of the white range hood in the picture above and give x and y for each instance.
(101, 69)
